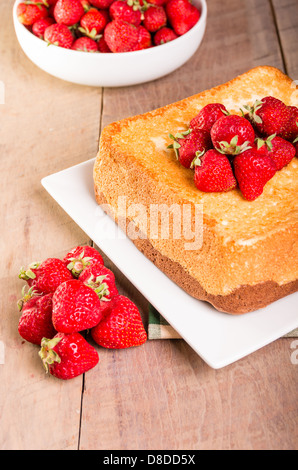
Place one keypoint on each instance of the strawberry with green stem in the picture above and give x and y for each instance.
(280, 150)
(208, 115)
(101, 280)
(269, 115)
(36, 316)
(45, 277)
(66, 356)
(189, 144)
(93, 23)
(59, 35)
(232, 134)
(29, 13)
(80, 257)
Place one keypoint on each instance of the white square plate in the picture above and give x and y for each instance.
(219, 339)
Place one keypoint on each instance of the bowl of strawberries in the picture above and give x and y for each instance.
(109, 43)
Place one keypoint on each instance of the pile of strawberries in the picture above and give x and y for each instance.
(108, 25)
(228, 150)
(68, 299)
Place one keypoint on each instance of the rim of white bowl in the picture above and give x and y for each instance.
(170, 44)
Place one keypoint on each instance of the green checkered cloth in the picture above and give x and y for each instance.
(159, 328)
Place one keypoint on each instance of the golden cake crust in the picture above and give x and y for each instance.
(249, 250)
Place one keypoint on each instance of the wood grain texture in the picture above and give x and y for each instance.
(161, 395)
(46, 125)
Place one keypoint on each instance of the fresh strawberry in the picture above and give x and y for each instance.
(291, 130)
(144, 39)
(182, 15)
(36, 318)
(85, 44)
(213, 172)
(164, 35)
(59, 35)
(45, 277)
(252, 172)
(189, 144)
(232, 134)
(39, 27)
(68, 12)
(93, 23)
(154, 18)
(269, 115)
(208, 115)
(122, 10)
(280, 150)
(80, 258)
(76, 307)
(121, 36)
(102, 46)
(101, 280)
(29, 13)
(101, 4)
(121, 326)
(67, 355)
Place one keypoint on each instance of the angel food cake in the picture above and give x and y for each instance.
(246, 249)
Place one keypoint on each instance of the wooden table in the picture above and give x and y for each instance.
(161, 396)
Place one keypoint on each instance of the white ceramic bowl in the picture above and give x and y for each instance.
(112, 69)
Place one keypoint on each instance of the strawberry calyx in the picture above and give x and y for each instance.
(197, 161)
(135, 4)
(77, 265)
(27, 274)
(268, 142)
(90, 34)
(40, 4)
(252, 111)
(99, 286)
(231, 148)
(47, 353)
(176, 145)
(26, 296)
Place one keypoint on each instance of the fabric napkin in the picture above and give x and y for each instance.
(159, 328)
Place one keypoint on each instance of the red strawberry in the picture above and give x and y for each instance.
(291, 131)
(59, 35)
(182, 15)
(280, 150)
(80, 258)
(67, 355)
(101, 3)
(252, 172)
(189, 144)
(76, 307)
(36, 319)
(121, 326)
(102, 46)
(152, 2)
(93, 23)
(232, 134)
(122, 10)
(85, 44)
(208, 115)
(144, 39)
(154, 18)
(269, 116)
(164, 35)
(47, 276)
(68, 12)
(28, 14)
(41, 25)
(213, 172)
(101, 280)
(121, 36)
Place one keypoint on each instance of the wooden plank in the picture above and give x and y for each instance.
(46, 125)
(162, 395)
(286, 15)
